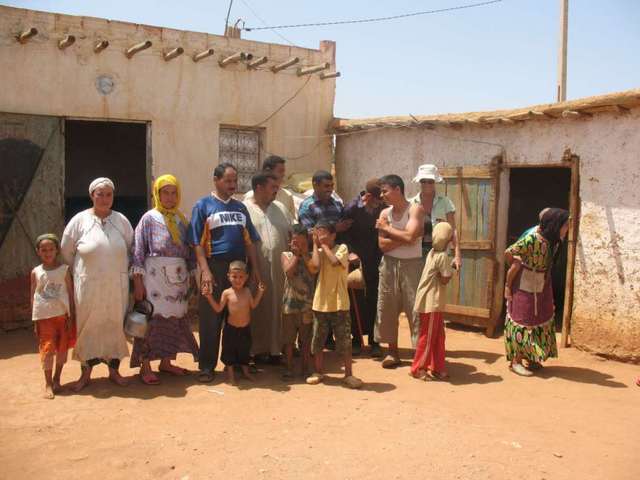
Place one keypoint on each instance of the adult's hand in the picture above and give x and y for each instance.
(382, 224)
(207, 282)
(255, 277)
(507, 293)
(457, 263)
(138, 288)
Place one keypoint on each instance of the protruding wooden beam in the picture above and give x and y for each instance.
(257, 62)
(24, 37)
(66, 41)
(281, 66)
(138, 47)
(173, 53)
(202, 55)
(536, 113)
(313, 69)
(100, 46)
(575, 114)
(325, 75)
(235, 58)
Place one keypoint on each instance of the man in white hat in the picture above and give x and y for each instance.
(437, 208)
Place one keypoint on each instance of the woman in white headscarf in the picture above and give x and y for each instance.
(96, 244)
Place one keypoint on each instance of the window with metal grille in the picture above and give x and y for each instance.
(241, 148)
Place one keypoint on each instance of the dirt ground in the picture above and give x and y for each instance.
(579, 419)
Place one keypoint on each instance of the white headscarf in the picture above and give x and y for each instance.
(101, 182)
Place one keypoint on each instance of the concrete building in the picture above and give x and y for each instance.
(85, 97)
(501, 168)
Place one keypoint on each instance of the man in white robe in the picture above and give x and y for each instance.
(273, 223)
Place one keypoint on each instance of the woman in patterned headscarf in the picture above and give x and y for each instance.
(96, 244)
(529, 330)
(162, 267)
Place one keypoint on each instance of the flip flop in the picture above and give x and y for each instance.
(390, 362)
(315, 379)
(147, 379)
(183, 371)
(533, 366)
(205, 377)
(519, 369)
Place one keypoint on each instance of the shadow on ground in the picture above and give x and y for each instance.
(579, 374)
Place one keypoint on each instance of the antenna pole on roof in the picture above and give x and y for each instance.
(226, 22)
(562, 57)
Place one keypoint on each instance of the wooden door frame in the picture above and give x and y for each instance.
(148, 150)
(572, 162)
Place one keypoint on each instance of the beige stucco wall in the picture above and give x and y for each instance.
(185, 102)
(606, 316)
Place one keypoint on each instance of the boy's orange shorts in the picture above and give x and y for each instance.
(54, 336)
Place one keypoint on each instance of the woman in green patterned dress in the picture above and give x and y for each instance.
(529, 331)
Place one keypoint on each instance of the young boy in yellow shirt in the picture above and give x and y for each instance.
(331, 301)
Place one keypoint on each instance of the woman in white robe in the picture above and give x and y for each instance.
(96, 244)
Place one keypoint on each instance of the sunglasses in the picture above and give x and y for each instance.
(426, 180)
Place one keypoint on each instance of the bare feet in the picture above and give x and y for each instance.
(116, 378)
(247, 374)
(231, 375)
(48, 392)
(83, 381)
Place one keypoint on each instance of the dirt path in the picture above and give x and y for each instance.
(579, 419)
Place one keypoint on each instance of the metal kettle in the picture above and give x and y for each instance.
(136, 322)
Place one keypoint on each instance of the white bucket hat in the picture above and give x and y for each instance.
(428, 172)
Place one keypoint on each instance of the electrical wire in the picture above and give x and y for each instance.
(378, 19)
(246, 4)
(284, 104)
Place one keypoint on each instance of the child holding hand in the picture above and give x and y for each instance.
(236, 335)
(53, 310)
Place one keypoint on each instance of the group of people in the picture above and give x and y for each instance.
(271, 280)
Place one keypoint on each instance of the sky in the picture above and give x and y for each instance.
(503, 55)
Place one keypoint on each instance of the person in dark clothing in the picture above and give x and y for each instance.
(362, 239)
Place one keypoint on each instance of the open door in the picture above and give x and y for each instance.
(31, 203)
(473, 190)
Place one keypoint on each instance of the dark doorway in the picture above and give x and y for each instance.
(116, 150)
(531, 190)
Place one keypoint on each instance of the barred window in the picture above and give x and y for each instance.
(241, 148)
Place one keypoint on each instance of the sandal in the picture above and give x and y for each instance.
(176, 371)
(287, 375)
(390, 362)
(352, 382)
(205, 377)
(149, 379)
(315, 379)
(533, 366)
(519, 369)
(441, 376)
